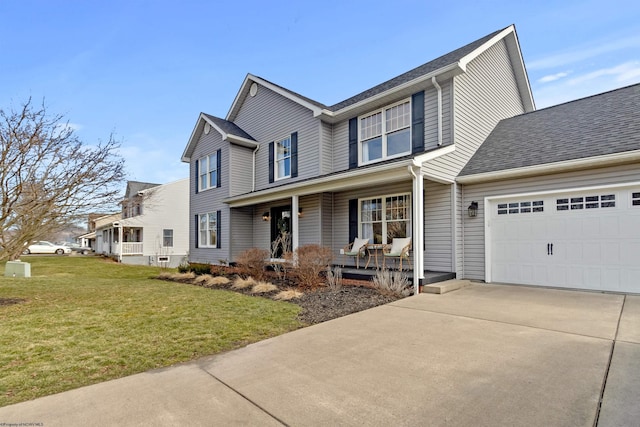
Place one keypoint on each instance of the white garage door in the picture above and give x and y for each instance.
(578, 239)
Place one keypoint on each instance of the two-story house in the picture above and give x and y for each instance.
(381, 164)
(394, 161)
(151, 229)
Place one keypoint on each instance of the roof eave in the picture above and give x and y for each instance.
(448, 71)
(550, 168)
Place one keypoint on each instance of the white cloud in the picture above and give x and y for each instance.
(157, 165)
(624, 73)
(553, 77)
(578, 53)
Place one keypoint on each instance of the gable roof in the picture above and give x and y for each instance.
(229, 131)
(134, 187)
(450, 64)
(601, 125)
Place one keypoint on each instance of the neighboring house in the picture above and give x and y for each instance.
(88, 239)
(403, 159)
(152, 228)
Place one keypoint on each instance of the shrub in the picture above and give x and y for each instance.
(195, 267)
(263, 288)
(334, 278)
(253, 261)
(208, 280)
(288, 295)
(241, 283)
(396, 283)
(311, 260)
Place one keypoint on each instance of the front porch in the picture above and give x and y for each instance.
(369, 273)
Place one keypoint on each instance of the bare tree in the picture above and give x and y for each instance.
(48, 177)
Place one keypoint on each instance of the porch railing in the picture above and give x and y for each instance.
(130, 248)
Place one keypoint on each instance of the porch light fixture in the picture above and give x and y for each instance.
(266, 216)
(473, 209)
(299, 212)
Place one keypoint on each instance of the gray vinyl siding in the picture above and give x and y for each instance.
(474, 248)
(310, 223)
(341, 146)
(431, 115)
(242, 223)
(484, 95)
(341, 212)
(326, 217)
(240, 170)
(438, 227)
(269, 117)
(210, 200)
(326, 148)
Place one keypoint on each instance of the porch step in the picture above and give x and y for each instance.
(446, 286)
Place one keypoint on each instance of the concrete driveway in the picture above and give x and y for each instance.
(485, 355)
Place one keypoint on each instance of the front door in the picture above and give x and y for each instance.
(280, 231)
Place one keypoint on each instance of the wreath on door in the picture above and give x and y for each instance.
(283, 225)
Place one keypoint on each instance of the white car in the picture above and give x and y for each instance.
(44, 247)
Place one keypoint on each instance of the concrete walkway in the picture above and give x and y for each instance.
(486, 355)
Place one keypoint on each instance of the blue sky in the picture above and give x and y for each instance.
(144, 70)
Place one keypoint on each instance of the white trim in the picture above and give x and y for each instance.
(556, 167)
(373, 175)
(384, 221)
(490, 200)
(384, 134)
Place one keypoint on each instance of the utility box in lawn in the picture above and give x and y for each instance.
(17, 269)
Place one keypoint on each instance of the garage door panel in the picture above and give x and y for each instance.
(595, 240)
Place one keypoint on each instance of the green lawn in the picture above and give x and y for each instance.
(87, 320)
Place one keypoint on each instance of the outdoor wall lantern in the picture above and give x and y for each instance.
(266, 216)
(300, 213)
(473, 209)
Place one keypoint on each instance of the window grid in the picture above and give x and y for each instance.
(384, 218)
(635, 199)
(511, 208)
(381, 139)
(167, 238)
(208, 236)
(586, 202)
(208, 171)
(283, 158)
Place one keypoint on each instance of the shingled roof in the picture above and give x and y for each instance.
(598, 125)
(229, 127)
(436, 64)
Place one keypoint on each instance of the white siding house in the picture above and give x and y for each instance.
(152, 228)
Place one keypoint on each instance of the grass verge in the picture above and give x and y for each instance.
(87, 320)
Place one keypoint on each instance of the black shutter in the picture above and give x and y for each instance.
(353, 143)
(353, 219)
(197, 177)
(294, 154)
(271, 162)
(218, 228)
(417, 122)
(197, 233)
(218, 173)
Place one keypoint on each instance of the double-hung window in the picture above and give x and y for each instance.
(208, 226)
(386, 217)
(167, 238)
(208, 171)
(283, 158)
(385, 133)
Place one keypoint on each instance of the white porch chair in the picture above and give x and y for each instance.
(398, 249)
(356, 249)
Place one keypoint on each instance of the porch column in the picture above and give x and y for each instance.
(418, 225)
(294, 223)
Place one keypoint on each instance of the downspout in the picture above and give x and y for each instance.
(439, 90)
(253, 178)
(418, 268)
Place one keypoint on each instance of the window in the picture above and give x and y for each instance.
(383, 218)
(586, 202)
(635, 199)
(520, 207)
(386, 133)
(167, 238)
(283, 158)
(208, 236)
(208, 171)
